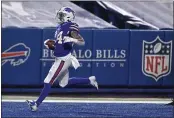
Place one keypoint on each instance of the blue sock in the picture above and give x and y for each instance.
(44, 93)
(78, 80)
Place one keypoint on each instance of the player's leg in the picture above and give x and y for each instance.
(80, 80)
(49, 80)
(64, 80)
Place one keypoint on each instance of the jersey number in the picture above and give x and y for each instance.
(59, 37)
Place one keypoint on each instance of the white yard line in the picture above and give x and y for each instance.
(93, 101)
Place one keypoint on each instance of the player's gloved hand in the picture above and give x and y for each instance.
(49, 44)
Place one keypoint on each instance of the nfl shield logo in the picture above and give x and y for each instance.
(156, 58)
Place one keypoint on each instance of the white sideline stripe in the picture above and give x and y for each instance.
(89, 60)
(93, 101)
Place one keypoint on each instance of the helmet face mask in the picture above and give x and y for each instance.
(60, 17)
(65, 14)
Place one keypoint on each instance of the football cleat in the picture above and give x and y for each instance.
(93, 81)
(32, 104)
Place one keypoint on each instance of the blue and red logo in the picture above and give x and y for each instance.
(157, 58)
(16, 54)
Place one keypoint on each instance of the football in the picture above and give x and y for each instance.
(157, 47)
(50, 44)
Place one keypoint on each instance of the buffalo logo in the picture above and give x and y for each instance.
(16, 54)
(156, 58)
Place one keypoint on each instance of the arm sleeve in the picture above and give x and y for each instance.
(74, 27)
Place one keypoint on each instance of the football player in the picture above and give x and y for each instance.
(66, 35)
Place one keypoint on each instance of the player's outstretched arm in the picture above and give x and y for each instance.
(76, 38)
(76, 35)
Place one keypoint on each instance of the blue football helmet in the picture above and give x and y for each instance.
(65, 14)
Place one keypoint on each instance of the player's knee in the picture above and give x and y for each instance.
(63, 84)
(46, 81)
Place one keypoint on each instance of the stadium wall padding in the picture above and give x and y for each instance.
(118, 58)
